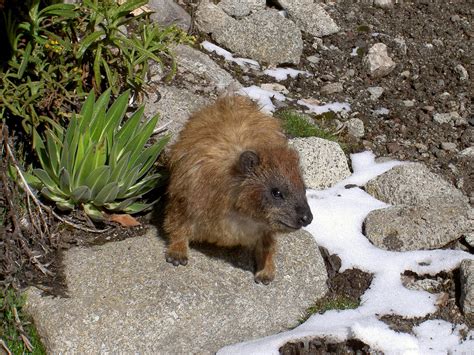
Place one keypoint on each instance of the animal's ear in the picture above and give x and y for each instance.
(248, 161)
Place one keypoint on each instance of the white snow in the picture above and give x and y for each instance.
(263, 97)
(319, 109)
(339, 213)
(283, 73)
(243, 62)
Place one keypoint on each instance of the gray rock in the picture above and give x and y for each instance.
(467, 288)
(448, 146)
(264, 36)
(310, 17)
(355, 127)
(462, 72)
(323, 162)
(210, 17)
(240, 8)
(424, 226)
(413, 184)
(125, 298)
(468, 152)
(332, 88)
(314, 59)
(204, 71)
(378, 61)
(383, 3)
(448, 117)
(375, 92)
(174, 106)
(168, 12)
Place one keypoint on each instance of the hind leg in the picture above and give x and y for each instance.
(264, 253)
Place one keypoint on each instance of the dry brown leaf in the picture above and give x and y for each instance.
(124, 220)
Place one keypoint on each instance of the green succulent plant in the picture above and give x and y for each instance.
(97, 163)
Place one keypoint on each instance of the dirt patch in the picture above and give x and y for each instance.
(324, 346)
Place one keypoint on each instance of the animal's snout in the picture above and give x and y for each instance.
(304, 215)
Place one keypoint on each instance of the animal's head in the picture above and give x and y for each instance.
(271, 188)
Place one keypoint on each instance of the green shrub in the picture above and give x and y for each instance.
(63, 51)
(97, 164)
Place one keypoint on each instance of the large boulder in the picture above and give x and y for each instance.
(323, 162)
(264, 36)
(125, 298)
(424, 226)
(413, 184)
(310, 17)
(174, 106)
(240, 8)
(202, 73)
(168, 12)
(467, 289)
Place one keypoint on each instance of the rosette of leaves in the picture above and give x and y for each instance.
(99, 164)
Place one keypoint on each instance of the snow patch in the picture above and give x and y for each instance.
(283, 73)
(339, 214)
(263, 97)
(243, 62)
(319, 109)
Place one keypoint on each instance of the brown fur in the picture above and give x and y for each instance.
(221, 196)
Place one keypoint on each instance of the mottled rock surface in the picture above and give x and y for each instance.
(168, 12)
(125, 298)
(426, 226)
(323, 162)
(413, 184)
(467, 288)
(378, 61)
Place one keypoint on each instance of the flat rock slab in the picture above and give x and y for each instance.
(426, 226)
(413, 184)
(124, 297)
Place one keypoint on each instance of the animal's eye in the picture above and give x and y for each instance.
(277, 194)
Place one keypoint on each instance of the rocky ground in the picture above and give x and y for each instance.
(411, 103)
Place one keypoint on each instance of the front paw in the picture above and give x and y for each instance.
(176, 258)
(264, 277)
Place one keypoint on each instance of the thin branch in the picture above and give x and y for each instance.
(5, 347)
(25, 339)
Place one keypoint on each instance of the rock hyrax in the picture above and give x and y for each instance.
(234, 181)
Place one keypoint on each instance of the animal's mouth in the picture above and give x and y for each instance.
(289, 226)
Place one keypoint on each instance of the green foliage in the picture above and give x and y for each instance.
(97, 163)
(10, 301)
(327, 304)
(63, 51)
(296, 125)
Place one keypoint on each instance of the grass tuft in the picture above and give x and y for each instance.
(295, 125)
(327, 304)
(11, 326)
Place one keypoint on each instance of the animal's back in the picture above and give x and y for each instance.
(209, 146)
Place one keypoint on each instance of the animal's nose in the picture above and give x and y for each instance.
(305, 216)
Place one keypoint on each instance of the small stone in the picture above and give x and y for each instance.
(332, 88)
(375, 92)
(463, 74)
(467, 288)
(313, 59)
(275, 87)
(448, 146)
(393, 147)
(355, 127)
(383, 3)
(405, 74)
(408, 103)
(402, 46)
(428, 108)
(448, 117)
(378, 61)
(468, 152)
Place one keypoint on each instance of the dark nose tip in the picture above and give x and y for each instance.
(305, 216)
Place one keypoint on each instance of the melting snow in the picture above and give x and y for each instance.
(263, 97)
(243, 62)
(337, 226)
(319, 109)
(283, 73)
